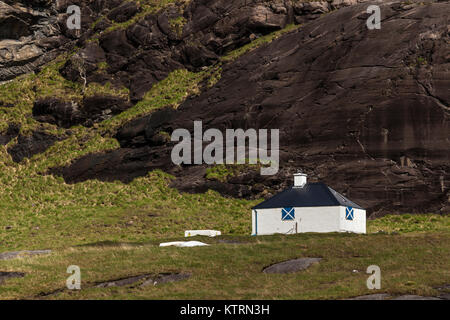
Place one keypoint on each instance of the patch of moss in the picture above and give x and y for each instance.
(94, 88)
(421, 61)
(177, 25)
(169, 92)
(215, 76)
(409, 223)
(166, 135)
(102, 66)
(259, 42)
(222, 172)
(148, 7)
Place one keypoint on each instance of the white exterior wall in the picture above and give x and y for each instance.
(358, 224)
(308, 219)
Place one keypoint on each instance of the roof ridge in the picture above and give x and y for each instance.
(331, 193)
(352, 203)
(276, 195)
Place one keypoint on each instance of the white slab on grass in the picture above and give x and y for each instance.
(183, 244)
(207, 233)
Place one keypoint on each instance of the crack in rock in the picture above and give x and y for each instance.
(21, 254)
(146, 279)
(142, 280)
(10, 275)
(291, 266)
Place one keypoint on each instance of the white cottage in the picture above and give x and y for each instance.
(307, 207)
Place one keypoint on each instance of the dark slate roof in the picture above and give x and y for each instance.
(311, 195)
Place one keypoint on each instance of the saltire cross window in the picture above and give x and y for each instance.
(349, 213)
(287, 214)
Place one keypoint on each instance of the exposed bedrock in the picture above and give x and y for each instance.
(188, 35)
(366, 111)
(180, 35)
(10, 133)
(27, 37)
(91, 109)
(33, 33)
(29, 145)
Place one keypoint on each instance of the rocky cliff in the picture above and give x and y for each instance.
(366, 111)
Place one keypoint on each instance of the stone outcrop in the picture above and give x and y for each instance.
(29, 145)
(27, 37)
(291, 266)
(11, 133)
(365, 111)
(146, 51)
(91, 109)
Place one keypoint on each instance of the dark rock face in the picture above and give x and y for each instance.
(11, 133)
(141, 54)
(123, 12)
(68, 113)
(366, 112)
(145, 131)
(28, 36)
(101, 107)
(369, 123)
(33, 33)
(137, 56)
(27, 146)
(15, 20)
(54, 111)
(147, 51)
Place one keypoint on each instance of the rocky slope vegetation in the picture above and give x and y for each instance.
(366, 111)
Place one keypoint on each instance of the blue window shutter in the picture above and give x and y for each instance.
(349, 213)
(287, 214)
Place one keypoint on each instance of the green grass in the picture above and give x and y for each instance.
(421, 61)
(219, 172)
(258, 42)
(148, 7)
(170, 92)
(411, 263)
(222, 172)
(177, 25)
(409, 223)
(41, 211)
(22, 92)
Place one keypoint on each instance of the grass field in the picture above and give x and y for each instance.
(412, 261)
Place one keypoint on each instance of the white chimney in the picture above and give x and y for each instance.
(300, 180)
